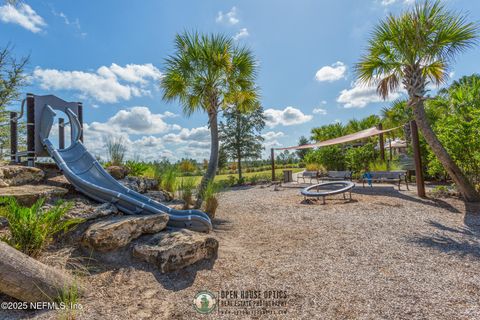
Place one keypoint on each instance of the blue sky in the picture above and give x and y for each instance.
(109, 54)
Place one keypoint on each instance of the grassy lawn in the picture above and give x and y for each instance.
(223, 177)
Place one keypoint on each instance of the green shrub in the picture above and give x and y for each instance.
(186, 187)
(330, 157)
(136, 168)
(33, 228)
(358, 158)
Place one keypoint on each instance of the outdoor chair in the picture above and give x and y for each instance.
(385, 176)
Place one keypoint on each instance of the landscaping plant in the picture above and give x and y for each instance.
(210, 196)
(186, 187)
(168, 180)
(33, 228)
(136, 168)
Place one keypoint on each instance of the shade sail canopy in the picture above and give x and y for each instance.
(370, 132)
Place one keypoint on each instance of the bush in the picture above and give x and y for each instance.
(32, 228)
(330, 157)
(186, 187)
(136, 168)
(358, 158)
(187, 166)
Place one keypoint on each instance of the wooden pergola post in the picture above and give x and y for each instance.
(61, 133)
(13, 137)
(382, 143)
(272, 158)
(418, 160)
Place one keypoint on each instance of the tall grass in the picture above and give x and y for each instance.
(210, 196)
(168, 180)
(136, 168)
(186, 187)
(116, 149)
(33, 228)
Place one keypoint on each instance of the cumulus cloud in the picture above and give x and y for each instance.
(320, 111)
(390, 2)
(107, 84)
(331, 73)
(243, 33)
(229, 18)
(286, 117)
(22, 15)
(359, 95)
(200, 134)
(135, 120)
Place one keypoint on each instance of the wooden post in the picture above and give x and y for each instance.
(27, 279)
(418, 160)
(382, 143)
(390, 146)
(13, 137)
(80, 119)
(61, 133)
(272, 155)
(30, 130)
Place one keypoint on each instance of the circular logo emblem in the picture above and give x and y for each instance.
(204, 302)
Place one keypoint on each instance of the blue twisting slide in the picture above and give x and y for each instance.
(86, 174)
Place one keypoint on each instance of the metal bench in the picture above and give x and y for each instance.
(386, 176)
(337, 176)
(312, 175)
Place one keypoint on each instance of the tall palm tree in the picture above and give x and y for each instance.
(209, 73)
(412, 50)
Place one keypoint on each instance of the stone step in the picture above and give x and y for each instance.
(117, 232)
(174, 249)
(14, 175)
(28, 194)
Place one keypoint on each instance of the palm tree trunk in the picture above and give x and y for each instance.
(464, 186)
(213, 163)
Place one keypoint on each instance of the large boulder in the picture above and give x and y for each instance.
(160, 195)
(88, 210)
(11, 176)
(139, 184)
(176, 248)
(117, 232)
(118, 172)
(28, 194)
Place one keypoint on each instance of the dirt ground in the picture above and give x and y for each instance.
(384, 255)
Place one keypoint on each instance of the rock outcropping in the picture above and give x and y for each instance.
(117, 232)
(139, 184)
(176, 248)
(118, 172)
(11, 176)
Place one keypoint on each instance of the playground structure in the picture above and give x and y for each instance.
(329, 189)
(82, 170)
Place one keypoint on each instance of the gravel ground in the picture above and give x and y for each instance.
(384, 255)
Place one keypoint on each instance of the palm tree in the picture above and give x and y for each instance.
(414, 49)
(209, 73)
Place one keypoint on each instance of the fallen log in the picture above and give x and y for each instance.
(29, 280)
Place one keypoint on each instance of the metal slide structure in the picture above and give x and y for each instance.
(86, 174)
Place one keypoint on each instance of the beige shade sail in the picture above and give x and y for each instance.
(370, 132)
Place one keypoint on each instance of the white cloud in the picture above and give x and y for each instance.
(390, 2)
(358, 96)
(320, 111)
(271, 135)
(75, 23)
(107, 84)
(135, 120)
(323, 102)
(229, 17)
(22, 15)
(286, 117)
(200, 134)
(243, 33)
(331, 73)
